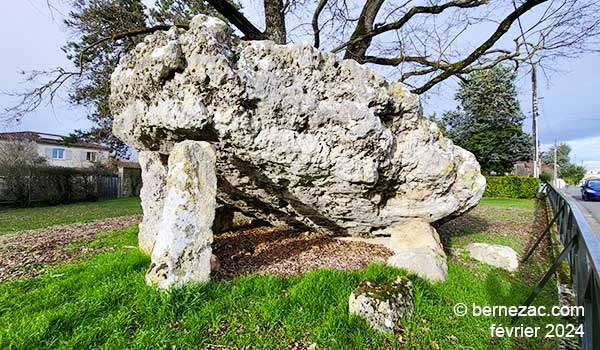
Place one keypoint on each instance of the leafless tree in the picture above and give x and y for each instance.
(17, 160)
(18, 155)
(419, 42)
(426, 42)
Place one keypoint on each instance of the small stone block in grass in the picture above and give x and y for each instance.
(495, 255)
(383, 305)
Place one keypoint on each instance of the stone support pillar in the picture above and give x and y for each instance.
(182, 251)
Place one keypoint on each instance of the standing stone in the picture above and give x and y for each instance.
(417, 248)
(182, 251)
(154, 179)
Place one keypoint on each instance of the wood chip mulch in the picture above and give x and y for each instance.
(283, 252)
(25, 254)
(280, 251)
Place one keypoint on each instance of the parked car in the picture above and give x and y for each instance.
(590, 189)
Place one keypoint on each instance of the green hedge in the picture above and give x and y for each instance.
(511, 187)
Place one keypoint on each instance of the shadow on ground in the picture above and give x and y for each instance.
(467, 224)
(284, 251)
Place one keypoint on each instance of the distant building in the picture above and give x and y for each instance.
(525, 168)
(522, 168)
(77, 154)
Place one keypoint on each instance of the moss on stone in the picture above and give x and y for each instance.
(390, 291)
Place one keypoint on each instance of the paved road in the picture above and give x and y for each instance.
(592, 207)
(591, 210)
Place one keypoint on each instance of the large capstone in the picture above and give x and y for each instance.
(301, 136)
(182, 252)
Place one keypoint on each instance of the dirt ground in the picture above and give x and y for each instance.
(280, 251)
(276, 250)
(25, 254)
(283, 252)
(516, 227)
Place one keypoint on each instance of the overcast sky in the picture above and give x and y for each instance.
(569, 104)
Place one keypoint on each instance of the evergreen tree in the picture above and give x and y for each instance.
(488, 121)
(94, 20)
(562, 155)
(571, 173)
(179, 11)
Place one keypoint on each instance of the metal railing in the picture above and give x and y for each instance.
(582, 251)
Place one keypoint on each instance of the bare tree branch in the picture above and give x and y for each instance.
(407, 16)
(315, 22)
(397, 60)
(359, 41)
(31, 100)
(503, 27)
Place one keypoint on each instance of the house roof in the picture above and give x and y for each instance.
(49, 139)
(128, 164)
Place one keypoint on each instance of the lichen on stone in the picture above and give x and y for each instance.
(302, 137)
(383, 305)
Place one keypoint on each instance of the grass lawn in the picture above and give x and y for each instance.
(104, 303)
(508, 202)
(503, 221)
(15, 220)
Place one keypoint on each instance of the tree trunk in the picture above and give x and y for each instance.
(275, 21)
(231, 13)
(358, 50)
(29, 188)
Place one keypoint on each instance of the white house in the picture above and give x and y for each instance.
(77, 154)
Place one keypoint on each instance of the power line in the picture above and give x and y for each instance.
(541, 106)
(573, 118)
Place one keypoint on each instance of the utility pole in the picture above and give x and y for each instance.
(555, 177)
(534, 127)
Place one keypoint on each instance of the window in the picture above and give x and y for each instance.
(91, 156)
(58, 153)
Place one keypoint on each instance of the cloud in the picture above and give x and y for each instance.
(592, 165)
(586, 150)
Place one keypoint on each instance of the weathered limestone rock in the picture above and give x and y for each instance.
(154, 179)
(302, 136)
(416, 246)
(154, 176)
(495, 255)
(182, 251)
(383, 305)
